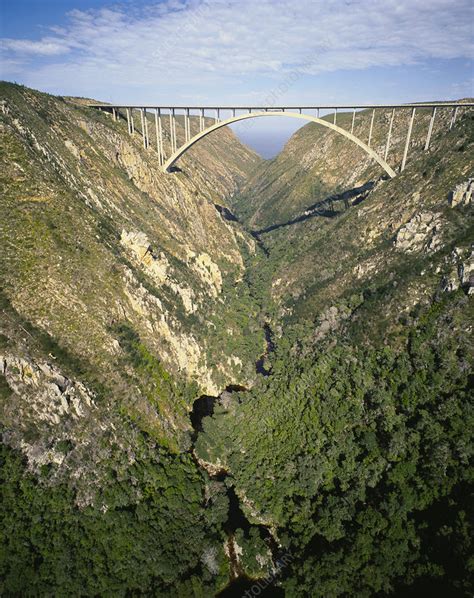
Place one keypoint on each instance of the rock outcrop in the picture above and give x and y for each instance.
(462, 194)
(421, 233)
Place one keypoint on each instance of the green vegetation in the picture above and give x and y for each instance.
(169, 399)
(347, 449)
(50, 547)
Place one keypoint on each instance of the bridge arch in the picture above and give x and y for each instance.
(223, 123)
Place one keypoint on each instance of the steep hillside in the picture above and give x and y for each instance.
(123, 298)
(96, 234)
(341, 241)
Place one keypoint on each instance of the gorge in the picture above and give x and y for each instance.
(246, 374)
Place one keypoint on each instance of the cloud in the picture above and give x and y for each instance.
(44, 47)
(220, 43)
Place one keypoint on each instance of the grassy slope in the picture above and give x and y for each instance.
(112, 485)
(330, 255)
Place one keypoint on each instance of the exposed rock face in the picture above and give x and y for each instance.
(462, 194)
(421, 233)
(207, 270)
(139, 245)
(45, 411)
(157, 266)
(52, 396)
(466, 274)
(182, 349)
(213, 469)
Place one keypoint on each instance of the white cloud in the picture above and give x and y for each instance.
(44, 47)
(177, 43)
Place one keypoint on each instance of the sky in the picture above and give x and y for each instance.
(244, 52)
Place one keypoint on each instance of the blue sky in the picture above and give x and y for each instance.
(241, 51)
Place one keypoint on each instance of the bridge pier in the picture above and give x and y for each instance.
(175, 144)
(142, 122)
(430, 129)
(187, 135)
(371, 126)
(147, 138)
(353, 120)
(389, 136)
(407, 143)
(172, 131)
(453, 119)
(159, 136)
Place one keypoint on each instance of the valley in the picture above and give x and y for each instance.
(248, 373)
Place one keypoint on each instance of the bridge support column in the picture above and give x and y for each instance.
(389, 136)
(353, 120)
(172, 131)
(147, 143)
(187, 135)
(170, 118)
(175, 143)
(129, 126)
(142, 121)
(132, 124)
(371, 126)
(159, 137)
(430, 129)
(201, 121)
(407, 143)
(453, 119)
(335, 115)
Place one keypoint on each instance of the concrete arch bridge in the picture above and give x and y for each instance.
(233, 114)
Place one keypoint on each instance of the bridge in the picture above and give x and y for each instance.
(206, 124)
